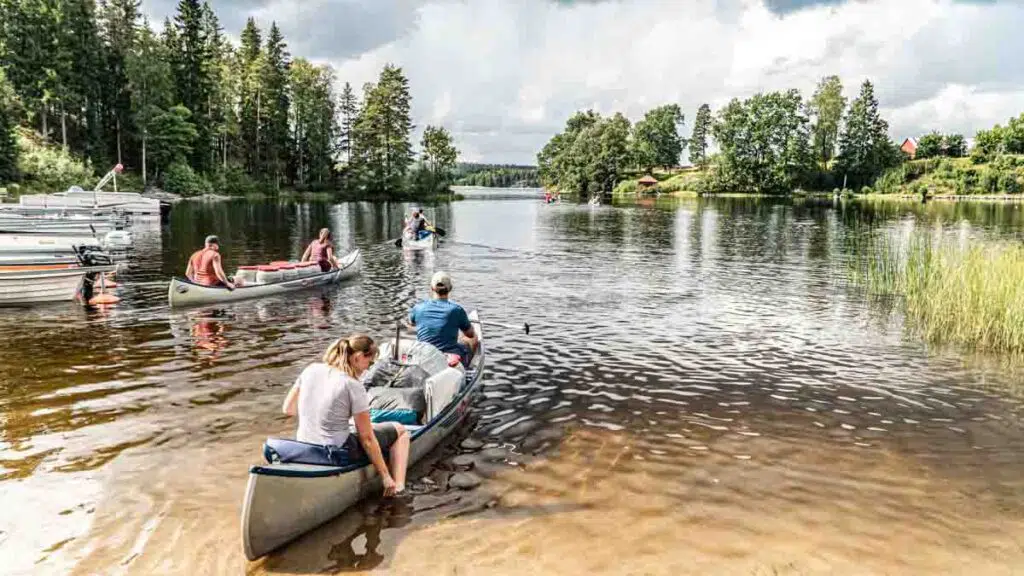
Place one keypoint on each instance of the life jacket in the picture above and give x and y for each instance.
(203, 272)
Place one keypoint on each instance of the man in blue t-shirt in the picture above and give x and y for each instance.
(438, 321)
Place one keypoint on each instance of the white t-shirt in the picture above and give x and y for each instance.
(328, 398)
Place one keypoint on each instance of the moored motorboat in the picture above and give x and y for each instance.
(182, 292)
(46, 283)
(28, 243)
(286, 500)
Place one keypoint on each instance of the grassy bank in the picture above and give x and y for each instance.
(954, 177)
(685, 183)
(970, 295)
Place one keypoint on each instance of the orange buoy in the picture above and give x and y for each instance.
(104, 299)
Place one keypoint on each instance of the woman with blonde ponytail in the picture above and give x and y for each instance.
(327, 394)
(321, 251)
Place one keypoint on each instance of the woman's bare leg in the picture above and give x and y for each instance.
(400, 457)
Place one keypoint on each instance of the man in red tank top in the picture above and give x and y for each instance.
(204, 266)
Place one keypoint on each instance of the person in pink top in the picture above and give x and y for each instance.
(321, 251)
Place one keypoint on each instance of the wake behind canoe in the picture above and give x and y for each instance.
(182, 292)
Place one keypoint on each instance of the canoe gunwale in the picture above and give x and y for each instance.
(214, 293)
(354, 255)
(414, 244)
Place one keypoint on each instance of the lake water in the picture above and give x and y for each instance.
(701, 392)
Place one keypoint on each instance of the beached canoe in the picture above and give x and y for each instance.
(285, 501)
(183, 292)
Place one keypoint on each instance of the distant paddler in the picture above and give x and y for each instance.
(204, 266)
(321, 251)
(417, 227)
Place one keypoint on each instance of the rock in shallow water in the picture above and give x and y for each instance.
(471, 444)
(464, 481)
(494, 454)
(463, 461)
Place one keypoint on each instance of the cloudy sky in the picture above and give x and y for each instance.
(503, 75)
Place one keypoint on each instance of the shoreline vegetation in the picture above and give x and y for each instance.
(968, 293)
(189, 111)
(778, 144)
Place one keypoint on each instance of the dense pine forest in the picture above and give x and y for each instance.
(497, 175)
(85, 85)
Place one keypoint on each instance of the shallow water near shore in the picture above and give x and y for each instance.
(701, 392)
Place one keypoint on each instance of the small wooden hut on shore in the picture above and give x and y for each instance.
(647, 183)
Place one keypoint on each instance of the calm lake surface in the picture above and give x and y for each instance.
(701, 393)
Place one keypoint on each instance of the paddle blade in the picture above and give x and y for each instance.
(526, 327)
(440, 231)
(398, 242)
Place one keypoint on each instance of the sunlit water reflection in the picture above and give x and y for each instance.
(700, 393)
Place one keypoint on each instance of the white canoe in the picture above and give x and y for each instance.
(36, 284)
(428, 243)
(285, 501)
(183, 292)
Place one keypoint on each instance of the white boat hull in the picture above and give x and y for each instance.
(9, 259)
(55, 228)
(25, 244)
(428, 243)
(36, 286)
(78, 201)
(284, 501)
(182, 293)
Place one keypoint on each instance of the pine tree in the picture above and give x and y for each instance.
(151, 87)
(249, 66)
(275, 87)
(348, 110)
(699, 138)
(865, 150)
(30, 35)
(382, 151)
(313, 120)
(217, 107)
(119, 20)
(190, 63)
(82, 57)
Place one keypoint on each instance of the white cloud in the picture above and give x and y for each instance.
(503, 76)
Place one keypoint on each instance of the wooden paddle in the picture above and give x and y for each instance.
(525, 327)
(439, 231)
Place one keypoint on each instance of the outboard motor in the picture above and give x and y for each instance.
(93, 256)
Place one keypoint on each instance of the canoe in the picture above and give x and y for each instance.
(428, 243)
(36, 284)
(285, 501)
(183, 292)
